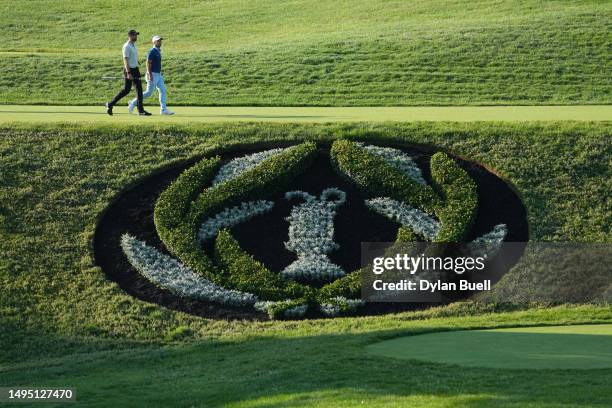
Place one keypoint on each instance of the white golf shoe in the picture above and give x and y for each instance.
(131, 106)
(166, 112)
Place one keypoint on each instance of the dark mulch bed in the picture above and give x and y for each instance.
(264, 236)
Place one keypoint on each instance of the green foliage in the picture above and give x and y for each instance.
(179, 333)
(271, 176)
(460, 196)
(405, 235)
(173, 205)
(242, 272)
(348, 286)
(174, 202)
(456, 208)
(57, 179)
(178, 227)
(372, 174)
(278, 311)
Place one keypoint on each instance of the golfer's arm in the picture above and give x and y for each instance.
(126, 64)
(150, 67)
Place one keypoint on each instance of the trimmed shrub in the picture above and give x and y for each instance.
(391, 177)
(339, 306)
(168, 273)
(405, 235)
(239, 165)
(244, 273)
(348, 286)
(171, 210)
(273, 175)
(374, 175)
(460, 197)
(398, 159)
(489, 244)
(286, 309)
(180, 236)
(174, 202)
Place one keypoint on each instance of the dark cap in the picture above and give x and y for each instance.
(133, 32)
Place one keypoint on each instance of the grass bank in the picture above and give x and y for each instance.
(56, 180)
(63, 323)
(332, 53)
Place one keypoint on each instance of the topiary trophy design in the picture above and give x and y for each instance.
(311, 235)
(210, 197)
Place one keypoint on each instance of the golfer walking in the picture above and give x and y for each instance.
(131, 75)
(155, 79)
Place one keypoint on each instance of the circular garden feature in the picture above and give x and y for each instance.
(277, 231)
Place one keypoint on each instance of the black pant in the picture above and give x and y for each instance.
(127, 86)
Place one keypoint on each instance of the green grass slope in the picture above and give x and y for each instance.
(358, 53)
(56, 180)
(62, 323)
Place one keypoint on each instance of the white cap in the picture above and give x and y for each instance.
(156, 37)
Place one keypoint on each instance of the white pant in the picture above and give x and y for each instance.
(157, 81)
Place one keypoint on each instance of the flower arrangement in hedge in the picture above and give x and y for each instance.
(233, 216)
(170, 274)
(410, 217)
(311, 235)
(209, 198)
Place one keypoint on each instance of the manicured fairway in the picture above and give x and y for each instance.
(556, 347)
(85, 114)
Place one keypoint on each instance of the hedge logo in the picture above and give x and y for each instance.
(278, 231)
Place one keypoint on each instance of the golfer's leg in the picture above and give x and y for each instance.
(127, 86)
(150, 88)
(148, 92)
(138, 85)
(161, 87)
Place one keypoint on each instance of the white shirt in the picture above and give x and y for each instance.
(131, 53)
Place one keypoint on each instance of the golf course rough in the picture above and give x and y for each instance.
(205, 261)
(553, 347)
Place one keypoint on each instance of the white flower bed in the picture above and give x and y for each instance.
(233, 216)
(340, 305)
(168, 273)
(489, 244)
(406, 215)
(399, 160)
(311, 233)
(313, 268)
(292, 313)
(239, 165)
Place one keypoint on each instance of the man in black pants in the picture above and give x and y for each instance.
(131, 75)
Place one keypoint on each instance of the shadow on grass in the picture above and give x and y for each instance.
(328, 370)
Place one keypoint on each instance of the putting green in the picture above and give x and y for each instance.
(554, 347)
(38, 114)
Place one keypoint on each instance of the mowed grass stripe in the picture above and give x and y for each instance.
(97, 114)
(393, 53)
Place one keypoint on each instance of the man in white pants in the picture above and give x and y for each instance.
(154, 78)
